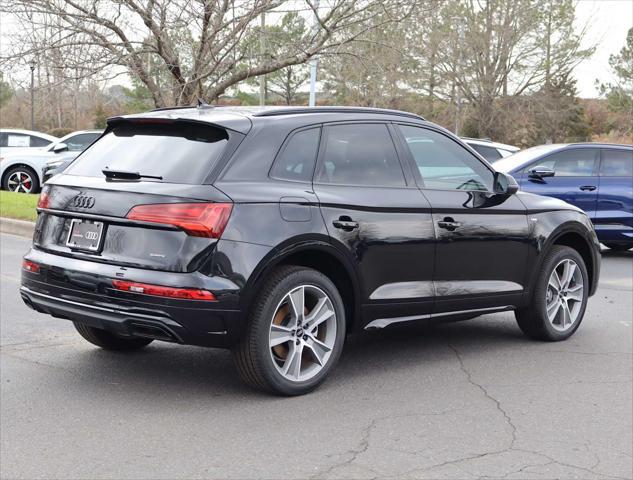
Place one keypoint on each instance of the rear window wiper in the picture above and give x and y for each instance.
(125, 175)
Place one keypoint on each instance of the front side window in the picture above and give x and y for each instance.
(177, 153)
(78, 143)
(579, 162)
(360, 154)
(296, 160)
(617, 163)
(443, 163)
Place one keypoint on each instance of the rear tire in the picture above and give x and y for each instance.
(555, 312)
(109, 341)
(618, 247)
(286, 349)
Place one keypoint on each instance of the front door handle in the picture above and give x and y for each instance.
(448, 224)
(345, 223)
(588, 188)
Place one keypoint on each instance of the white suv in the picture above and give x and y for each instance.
(491, 151)
(22, 171)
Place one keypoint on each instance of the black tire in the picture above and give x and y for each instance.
(618, 247)
(35, 180)
(109, 341)
(252, 354)
(533, 320)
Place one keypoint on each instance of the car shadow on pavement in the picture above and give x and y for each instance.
(191, 371)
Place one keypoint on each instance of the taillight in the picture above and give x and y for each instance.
(30, 266)
(196, 219)
(44, 201)
(161, 291)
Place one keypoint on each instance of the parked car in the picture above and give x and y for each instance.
(14, 140)
(275, 231)
(23, 172)
(598, 178)
(491, 151)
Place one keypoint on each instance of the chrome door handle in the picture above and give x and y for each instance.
(449, 224)
(345, 223)
(589, 188)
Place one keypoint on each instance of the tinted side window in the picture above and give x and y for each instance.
(443, 163)
(39, 142)
(296, 160)
(78, 143)
(617, 163)
(360, 154)
(3, 139)
(489, 153)
(579, 162)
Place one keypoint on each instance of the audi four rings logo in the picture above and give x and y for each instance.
(83, 201)
(91, 235)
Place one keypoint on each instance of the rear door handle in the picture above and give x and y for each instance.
(345, 223)
(449, 224)
(589, 188)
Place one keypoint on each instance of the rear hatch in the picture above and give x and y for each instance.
(141, 197)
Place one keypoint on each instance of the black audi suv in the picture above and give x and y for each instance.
(276, 231)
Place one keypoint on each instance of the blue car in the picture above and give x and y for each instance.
(598, 178)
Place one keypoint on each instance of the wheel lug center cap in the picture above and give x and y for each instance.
(299, 332)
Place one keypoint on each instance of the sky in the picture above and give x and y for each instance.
(608, 21)
(607, 24)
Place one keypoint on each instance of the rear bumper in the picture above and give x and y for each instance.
(82, 292)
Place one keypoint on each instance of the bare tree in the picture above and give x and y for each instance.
(198, 43)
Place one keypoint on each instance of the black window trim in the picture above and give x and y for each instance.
(596, 165)
(326, 126)
(283, 147)
(601, 159)
(414, 167)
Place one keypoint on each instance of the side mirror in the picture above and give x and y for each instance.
(541, 172)
(60, 147)
(505, 184)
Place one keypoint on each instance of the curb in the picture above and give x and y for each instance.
(17, 227)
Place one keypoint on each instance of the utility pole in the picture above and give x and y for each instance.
(313, 61)
(32, 65)
(262, 51)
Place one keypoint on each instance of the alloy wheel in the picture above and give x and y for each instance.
(20, 181)
(565, 295)
(302, 333)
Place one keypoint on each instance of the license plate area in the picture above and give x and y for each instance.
(85, 235)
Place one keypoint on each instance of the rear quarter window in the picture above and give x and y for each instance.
(297, 158)
(177, 152)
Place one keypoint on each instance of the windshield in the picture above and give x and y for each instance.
(512, 162)
(179, 153)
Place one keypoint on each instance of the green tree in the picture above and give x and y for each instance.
(620, 94)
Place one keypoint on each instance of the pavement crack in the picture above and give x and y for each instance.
(486, 393)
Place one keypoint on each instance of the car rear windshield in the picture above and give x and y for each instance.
(177, 152)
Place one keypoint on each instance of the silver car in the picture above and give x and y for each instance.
(22, 171)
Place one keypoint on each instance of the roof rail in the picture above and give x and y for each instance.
(180, 107)
(294, 111)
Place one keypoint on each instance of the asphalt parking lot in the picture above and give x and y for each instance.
(465, 400)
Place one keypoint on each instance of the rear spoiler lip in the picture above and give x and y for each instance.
(143, 119)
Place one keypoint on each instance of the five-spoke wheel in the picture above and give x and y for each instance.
(564, 295)
(302, 332)
(559, 298)
(295, 332)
